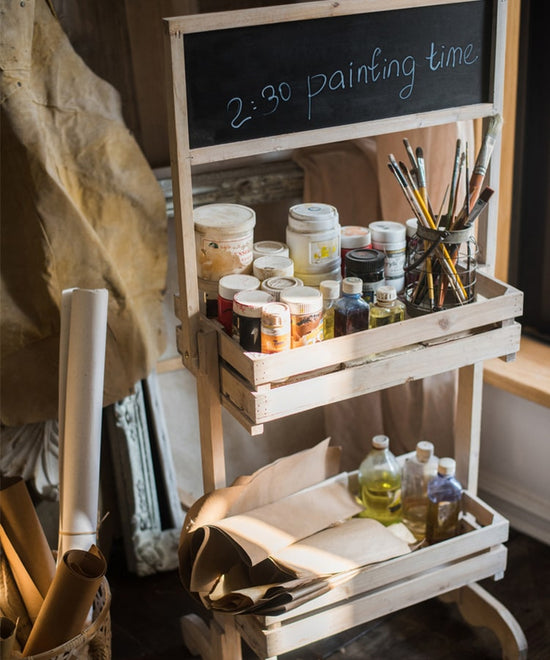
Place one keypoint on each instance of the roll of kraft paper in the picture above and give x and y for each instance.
(68, 601)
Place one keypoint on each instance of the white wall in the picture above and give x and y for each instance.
(514, 475)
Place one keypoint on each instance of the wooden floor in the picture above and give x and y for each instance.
(146, 612)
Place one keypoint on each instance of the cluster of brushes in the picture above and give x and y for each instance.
(440, 273)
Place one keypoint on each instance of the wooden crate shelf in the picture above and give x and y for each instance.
(477, 553)
(257, 388)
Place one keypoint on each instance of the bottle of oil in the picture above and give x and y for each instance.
(444, 502)
(387, 309)
(417, 472)
(331, 292)
(351, 312)
(380, 483)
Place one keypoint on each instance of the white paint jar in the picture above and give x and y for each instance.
(224, 238)
(313, 239)
(391, 238)
(272, 266)
(270, 248)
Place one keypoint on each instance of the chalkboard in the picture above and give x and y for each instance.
(266, 80)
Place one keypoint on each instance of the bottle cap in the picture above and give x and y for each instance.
(249, 303)
(330, 289)
(410, 227)
(424, 451)
(354, 236)
(303, 299)
(352, 285)
(263, 248)
(229, 285)
(383, 231)
(272, 266)
(386, 293)
(447, 467)
(276, 315)
(365, 260)
(274, 285)
(312, 217)
(380, 442)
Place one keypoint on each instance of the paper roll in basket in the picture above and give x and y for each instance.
(79, 584)
(93, 643)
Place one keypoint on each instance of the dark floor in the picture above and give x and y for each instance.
(146, 612)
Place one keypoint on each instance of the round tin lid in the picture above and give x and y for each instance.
(312, 217)
(303, 299)
(224, 218)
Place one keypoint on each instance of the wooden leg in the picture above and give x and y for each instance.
(217, 641)
(479, 608)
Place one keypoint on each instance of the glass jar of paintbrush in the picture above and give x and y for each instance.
(441, 270)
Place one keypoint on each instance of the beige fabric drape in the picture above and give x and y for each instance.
(80, 208)
(354, 177)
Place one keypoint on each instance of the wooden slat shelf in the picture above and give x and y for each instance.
(476, 554)
(258, 388)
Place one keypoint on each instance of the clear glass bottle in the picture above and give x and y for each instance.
(380, 483)
(387, 308)
(417, 472)
(444, 502)
(351, 312)
(331, 292)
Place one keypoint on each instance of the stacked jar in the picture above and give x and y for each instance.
(313, 239)
(224, 238)
(353, 237)
(391, 239)
(368, 265)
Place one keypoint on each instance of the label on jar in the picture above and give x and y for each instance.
(321, 251)
(222, 257)
(306, 329)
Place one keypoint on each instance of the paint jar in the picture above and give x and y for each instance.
(368, 265)
(272, 266)
(275, 327)
(274, 285)
(391, 238)
(208, 298)
(330, 290)
(313, 238)
(441, 270)
(247, 318)
(269, 248)
(224, 236)
(306, 315)
(351, 238)
(228, 286)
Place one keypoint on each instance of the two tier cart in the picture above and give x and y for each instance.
(251, 82)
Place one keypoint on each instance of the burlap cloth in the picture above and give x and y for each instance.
(80, 208)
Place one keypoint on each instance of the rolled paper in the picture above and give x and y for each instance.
(8, 636)
(25, 533)
(11, 603)
(68, 602)
(81, 407)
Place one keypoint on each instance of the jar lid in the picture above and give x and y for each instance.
(276, 315)
(411, 226)
(250, 303)
(352, 285)
(312, 217)
(276, 284)
(272, 265)
(365, 260)
(303, 299)
(330, 289)
(224, 218)
(424, 451)
(447, 466)
(229, 285)
(380, 442)
(263, 248)
(384, 231)
(386, 293)
(354, 236)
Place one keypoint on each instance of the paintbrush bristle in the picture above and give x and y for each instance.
(495, 123)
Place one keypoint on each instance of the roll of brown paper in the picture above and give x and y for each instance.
(68, 602)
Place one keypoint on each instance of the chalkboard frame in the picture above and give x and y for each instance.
(184, 158)
(182, 28)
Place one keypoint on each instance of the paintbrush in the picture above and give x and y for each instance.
(448, 217)
(483, 158)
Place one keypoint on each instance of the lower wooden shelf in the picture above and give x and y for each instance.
(475, 554)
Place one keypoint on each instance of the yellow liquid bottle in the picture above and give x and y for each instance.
(380, 483)
(387, 308)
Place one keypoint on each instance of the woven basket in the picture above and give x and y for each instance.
(94, 643)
